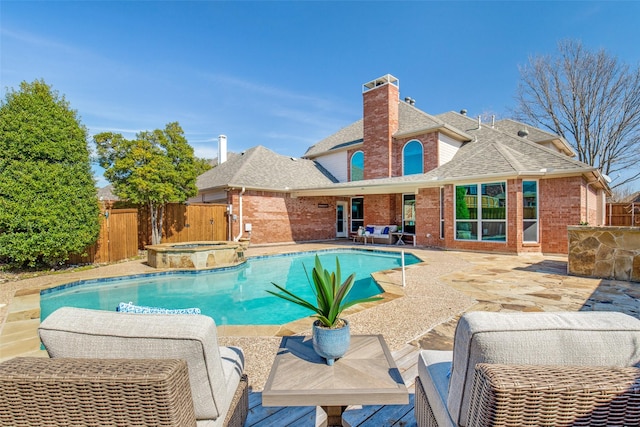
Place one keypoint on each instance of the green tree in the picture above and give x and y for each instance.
(202, 165)
(48, 199)
(153, 169)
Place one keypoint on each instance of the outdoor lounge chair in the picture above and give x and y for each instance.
(533, 369)
(219, 394)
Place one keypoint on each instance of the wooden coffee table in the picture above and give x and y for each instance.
(366, 375)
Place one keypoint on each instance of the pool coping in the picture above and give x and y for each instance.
(24, 309)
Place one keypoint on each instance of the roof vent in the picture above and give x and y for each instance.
(410, 101)
(523, 133)
(463, 112)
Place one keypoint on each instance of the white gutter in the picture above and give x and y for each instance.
(237, 238)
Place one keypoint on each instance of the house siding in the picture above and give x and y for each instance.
(447, 148)
(336, 164)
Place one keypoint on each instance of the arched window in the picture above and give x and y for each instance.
(412, 158)
(357, 166)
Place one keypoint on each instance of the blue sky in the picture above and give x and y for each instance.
(286, 74)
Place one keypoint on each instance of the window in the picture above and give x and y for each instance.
(442, 212)
(409, 213)
(530, 211)
(481, 212)
(357, 213)
(357, 166)
(412, 158)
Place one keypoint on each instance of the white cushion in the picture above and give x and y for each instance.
(434, 368)
(213, 371)
(550, 338)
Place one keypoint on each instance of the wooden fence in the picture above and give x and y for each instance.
(124, 231)
(187, 223)
(623, 214)
(118, 238)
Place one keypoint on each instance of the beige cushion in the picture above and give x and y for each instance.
(550, 338)
(434, 367)
(214, 372)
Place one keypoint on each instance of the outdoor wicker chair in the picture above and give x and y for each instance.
(533, 369)
(219, 392)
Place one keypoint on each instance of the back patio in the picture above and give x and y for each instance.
(437, 292)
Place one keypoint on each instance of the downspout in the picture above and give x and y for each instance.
(237, 238)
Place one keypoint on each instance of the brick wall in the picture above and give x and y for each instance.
(380, 116)
(277, 217)
(380, 209)
(429, 152)
(428, 217)
(561, 204)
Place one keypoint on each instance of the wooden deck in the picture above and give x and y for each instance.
(360, 416)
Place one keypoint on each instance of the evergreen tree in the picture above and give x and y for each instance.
(48, 200)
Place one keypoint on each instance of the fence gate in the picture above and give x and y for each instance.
(118, 238)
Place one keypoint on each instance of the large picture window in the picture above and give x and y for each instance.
(412, 158)
(409, 213)
(357, 166)
(481, 212)
(357, 213)
(530, 211)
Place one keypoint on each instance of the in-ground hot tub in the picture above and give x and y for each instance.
(195, 255)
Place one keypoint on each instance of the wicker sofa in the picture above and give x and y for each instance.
(380, 233)
(518, 369)
(215, 374)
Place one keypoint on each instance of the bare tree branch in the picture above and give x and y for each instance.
(590, 99)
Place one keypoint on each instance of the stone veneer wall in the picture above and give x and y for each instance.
(605, 252)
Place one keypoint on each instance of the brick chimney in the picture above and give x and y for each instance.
(380, 100)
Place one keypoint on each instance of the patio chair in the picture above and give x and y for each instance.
(518, 369)
(215, 373)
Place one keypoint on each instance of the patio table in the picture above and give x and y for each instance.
(365, 375)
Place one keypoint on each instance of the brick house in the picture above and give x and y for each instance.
(449, 180)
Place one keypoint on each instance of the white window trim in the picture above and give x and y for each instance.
(479, 220)
(351, 211)
(351, 165)
(537, 211)
(442, 219)
(421, 157)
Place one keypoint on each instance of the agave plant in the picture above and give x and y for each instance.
(329, 291)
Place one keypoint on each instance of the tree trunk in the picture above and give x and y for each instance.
(156, 212)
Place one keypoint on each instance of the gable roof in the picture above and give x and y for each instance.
(537, 135)
(261, 168)
(410, 121)
(490, 154)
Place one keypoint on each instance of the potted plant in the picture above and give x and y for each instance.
(330, 334)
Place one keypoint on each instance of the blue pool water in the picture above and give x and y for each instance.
(232, 296)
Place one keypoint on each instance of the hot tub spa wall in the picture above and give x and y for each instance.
(161, 256)
(605, 252)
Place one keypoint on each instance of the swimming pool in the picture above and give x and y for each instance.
(232, 296)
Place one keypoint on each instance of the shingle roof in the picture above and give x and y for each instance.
(348, 136)
(261, 168)
(106, 193)
(490, 153)
(410, 119)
